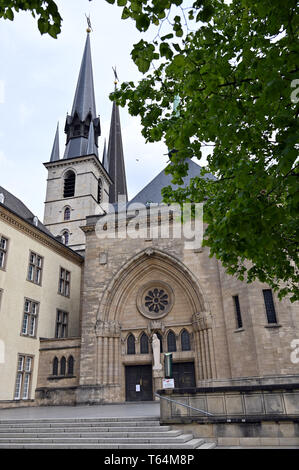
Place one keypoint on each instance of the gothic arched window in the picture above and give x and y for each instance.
(66, 237)
(131, 344)
(55, 366)
(67, 213)
(171, 342)
(144, 344)
(70, 366)
(62, 366)
(185, 341)
(69, 184)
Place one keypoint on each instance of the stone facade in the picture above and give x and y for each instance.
(88, 171)
(152, 281)
(24, 238)
(115, 273)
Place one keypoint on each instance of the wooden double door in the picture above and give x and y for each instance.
(183, 374)
(139, 383)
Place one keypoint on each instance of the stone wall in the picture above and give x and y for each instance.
(60, 388)
(116, 269)
(223, 404)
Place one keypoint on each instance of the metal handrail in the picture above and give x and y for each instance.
(183, 404)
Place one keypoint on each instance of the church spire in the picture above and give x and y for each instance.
(91, 147)
(78, 124)
(55, 150)
(115, 158)
(104, 159)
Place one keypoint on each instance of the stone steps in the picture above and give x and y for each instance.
(68, 426)
(95, 433)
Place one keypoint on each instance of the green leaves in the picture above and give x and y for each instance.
(143, 54)
(233, 66)
(49, 19)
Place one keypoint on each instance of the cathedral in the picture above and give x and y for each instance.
(81, 301)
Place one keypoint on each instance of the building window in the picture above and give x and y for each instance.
(23, 380)
(66, 237)
(55, 366)
(70, 366)
(64, 282)
(62, 366)
(238, 311)
(69, 184)
(185, 341)
(144, 344)
(100, 191)
(156, 300)
(171, 342)
(67, 213)
(3, 252)
(61, 324)
(35, 268)
(131, 344)
(269, 304)
(29, 324)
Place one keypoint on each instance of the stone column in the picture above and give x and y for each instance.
(202, 326)
(100, 360)
(105, 361)
(198, 364)
(108, 334)
(116, 361)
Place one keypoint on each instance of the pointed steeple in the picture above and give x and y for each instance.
(91, 147)
(84, 101)
(78, 124)
(115, 158)
(105, 159)
(55, 150)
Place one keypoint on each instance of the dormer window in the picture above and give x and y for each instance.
(2, 198)
(77, 129)
(35, 221)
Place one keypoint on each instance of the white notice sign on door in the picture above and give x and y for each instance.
(138, 388)
(168, 383)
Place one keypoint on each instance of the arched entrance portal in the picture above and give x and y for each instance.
(152, 293)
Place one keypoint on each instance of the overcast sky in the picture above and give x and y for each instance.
(38, 76)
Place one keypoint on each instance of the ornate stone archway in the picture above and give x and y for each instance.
(116, 305)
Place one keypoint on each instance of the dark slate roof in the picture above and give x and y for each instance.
(115, 158)
(152, 191)
(16, 206)
(85, 108)
(91, 146)
(55, 149)
(84, 100)
(104, 159)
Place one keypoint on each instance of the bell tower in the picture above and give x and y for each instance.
(77, 183)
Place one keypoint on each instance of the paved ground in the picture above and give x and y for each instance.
(131, 410)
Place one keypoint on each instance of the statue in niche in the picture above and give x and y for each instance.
(156, 352)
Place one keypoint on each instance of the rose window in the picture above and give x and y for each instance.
(156, 300)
